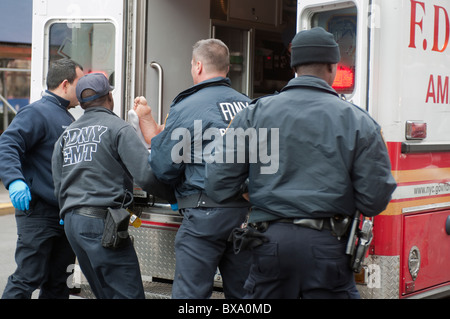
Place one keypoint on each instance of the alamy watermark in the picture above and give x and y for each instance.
(235, 146)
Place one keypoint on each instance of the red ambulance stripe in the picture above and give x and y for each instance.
(402, 162)
(159, 225)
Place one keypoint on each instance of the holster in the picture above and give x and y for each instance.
(246, 239)
(115, 233)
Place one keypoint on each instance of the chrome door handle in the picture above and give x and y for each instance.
(158, 67)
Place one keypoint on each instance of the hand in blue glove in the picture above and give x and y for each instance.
(20, 194)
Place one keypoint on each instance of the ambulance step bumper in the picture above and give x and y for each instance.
(153, 290)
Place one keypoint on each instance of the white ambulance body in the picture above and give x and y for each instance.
(394, 63)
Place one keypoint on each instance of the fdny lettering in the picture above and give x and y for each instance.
(428, 18)
(230, 109)
(418, 24)
(80, 144)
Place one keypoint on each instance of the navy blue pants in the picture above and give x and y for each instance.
(43, 255)
(111, 273)
(300, 262)
(201, 247)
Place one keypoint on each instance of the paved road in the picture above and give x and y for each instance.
(4, 196)
(8, 238)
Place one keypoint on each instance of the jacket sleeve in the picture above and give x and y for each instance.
(226, 174)
(19, 137)
(171, 149)
(57, 167)
(135, 157)
(371, 175)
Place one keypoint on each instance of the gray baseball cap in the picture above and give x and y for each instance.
(96, 82)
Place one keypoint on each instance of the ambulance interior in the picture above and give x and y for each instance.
(258, 34)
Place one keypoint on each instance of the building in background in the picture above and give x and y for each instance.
(15, 57)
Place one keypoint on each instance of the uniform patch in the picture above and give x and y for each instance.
(228, 110)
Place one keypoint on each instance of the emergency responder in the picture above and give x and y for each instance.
(94, 163)
(43, 252)
(201, 242)
(332, 160)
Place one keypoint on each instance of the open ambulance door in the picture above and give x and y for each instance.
(172, 28)
(344, 20)
(90, 32)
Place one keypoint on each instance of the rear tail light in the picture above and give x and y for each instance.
(416, 130)
(345, 79)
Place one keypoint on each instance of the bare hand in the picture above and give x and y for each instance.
(147, 123)
(141, 107)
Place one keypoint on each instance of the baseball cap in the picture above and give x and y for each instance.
(314, 46)
(96, 82)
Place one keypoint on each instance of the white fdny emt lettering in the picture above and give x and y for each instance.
(230, 109)
(81, 143)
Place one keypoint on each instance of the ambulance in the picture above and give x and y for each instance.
(394, 58)
(396, 65)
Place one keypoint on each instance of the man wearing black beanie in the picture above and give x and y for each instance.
(332, 161)
(314, 46)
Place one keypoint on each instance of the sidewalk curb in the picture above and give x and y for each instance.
(6, 208)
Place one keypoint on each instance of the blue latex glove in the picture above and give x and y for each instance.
(20, 194)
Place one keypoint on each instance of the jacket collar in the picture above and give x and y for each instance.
(50, 96)
(311, 82)
(99, 109)
(211, 82)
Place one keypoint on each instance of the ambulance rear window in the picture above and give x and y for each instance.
(89, 44)
(342, 24)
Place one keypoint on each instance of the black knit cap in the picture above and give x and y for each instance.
(314, 46)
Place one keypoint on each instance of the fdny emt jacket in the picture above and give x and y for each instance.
(26, 147)
(177, 153)
(95, 161)
(332, 158)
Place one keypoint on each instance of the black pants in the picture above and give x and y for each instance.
(201, 247)
(43, 255)
(111, 273)
(300, 262)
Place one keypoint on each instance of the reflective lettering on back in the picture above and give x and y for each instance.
(81, 143)
(228, 110)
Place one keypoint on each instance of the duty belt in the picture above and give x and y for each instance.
(338, 225)
(314, 223)
(201, 200)
(93, 212)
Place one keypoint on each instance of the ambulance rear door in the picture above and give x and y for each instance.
(172, 28)
(90, 32)
(344, 19)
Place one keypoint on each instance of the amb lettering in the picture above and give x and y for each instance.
(80, 144)
(437, 91)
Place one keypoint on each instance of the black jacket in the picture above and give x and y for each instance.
(98, 159)
(327, 156)
(26, 147)
(197, 116)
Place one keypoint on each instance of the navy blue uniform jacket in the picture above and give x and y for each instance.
(26, 147)
(177, 155)
(332, 158)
